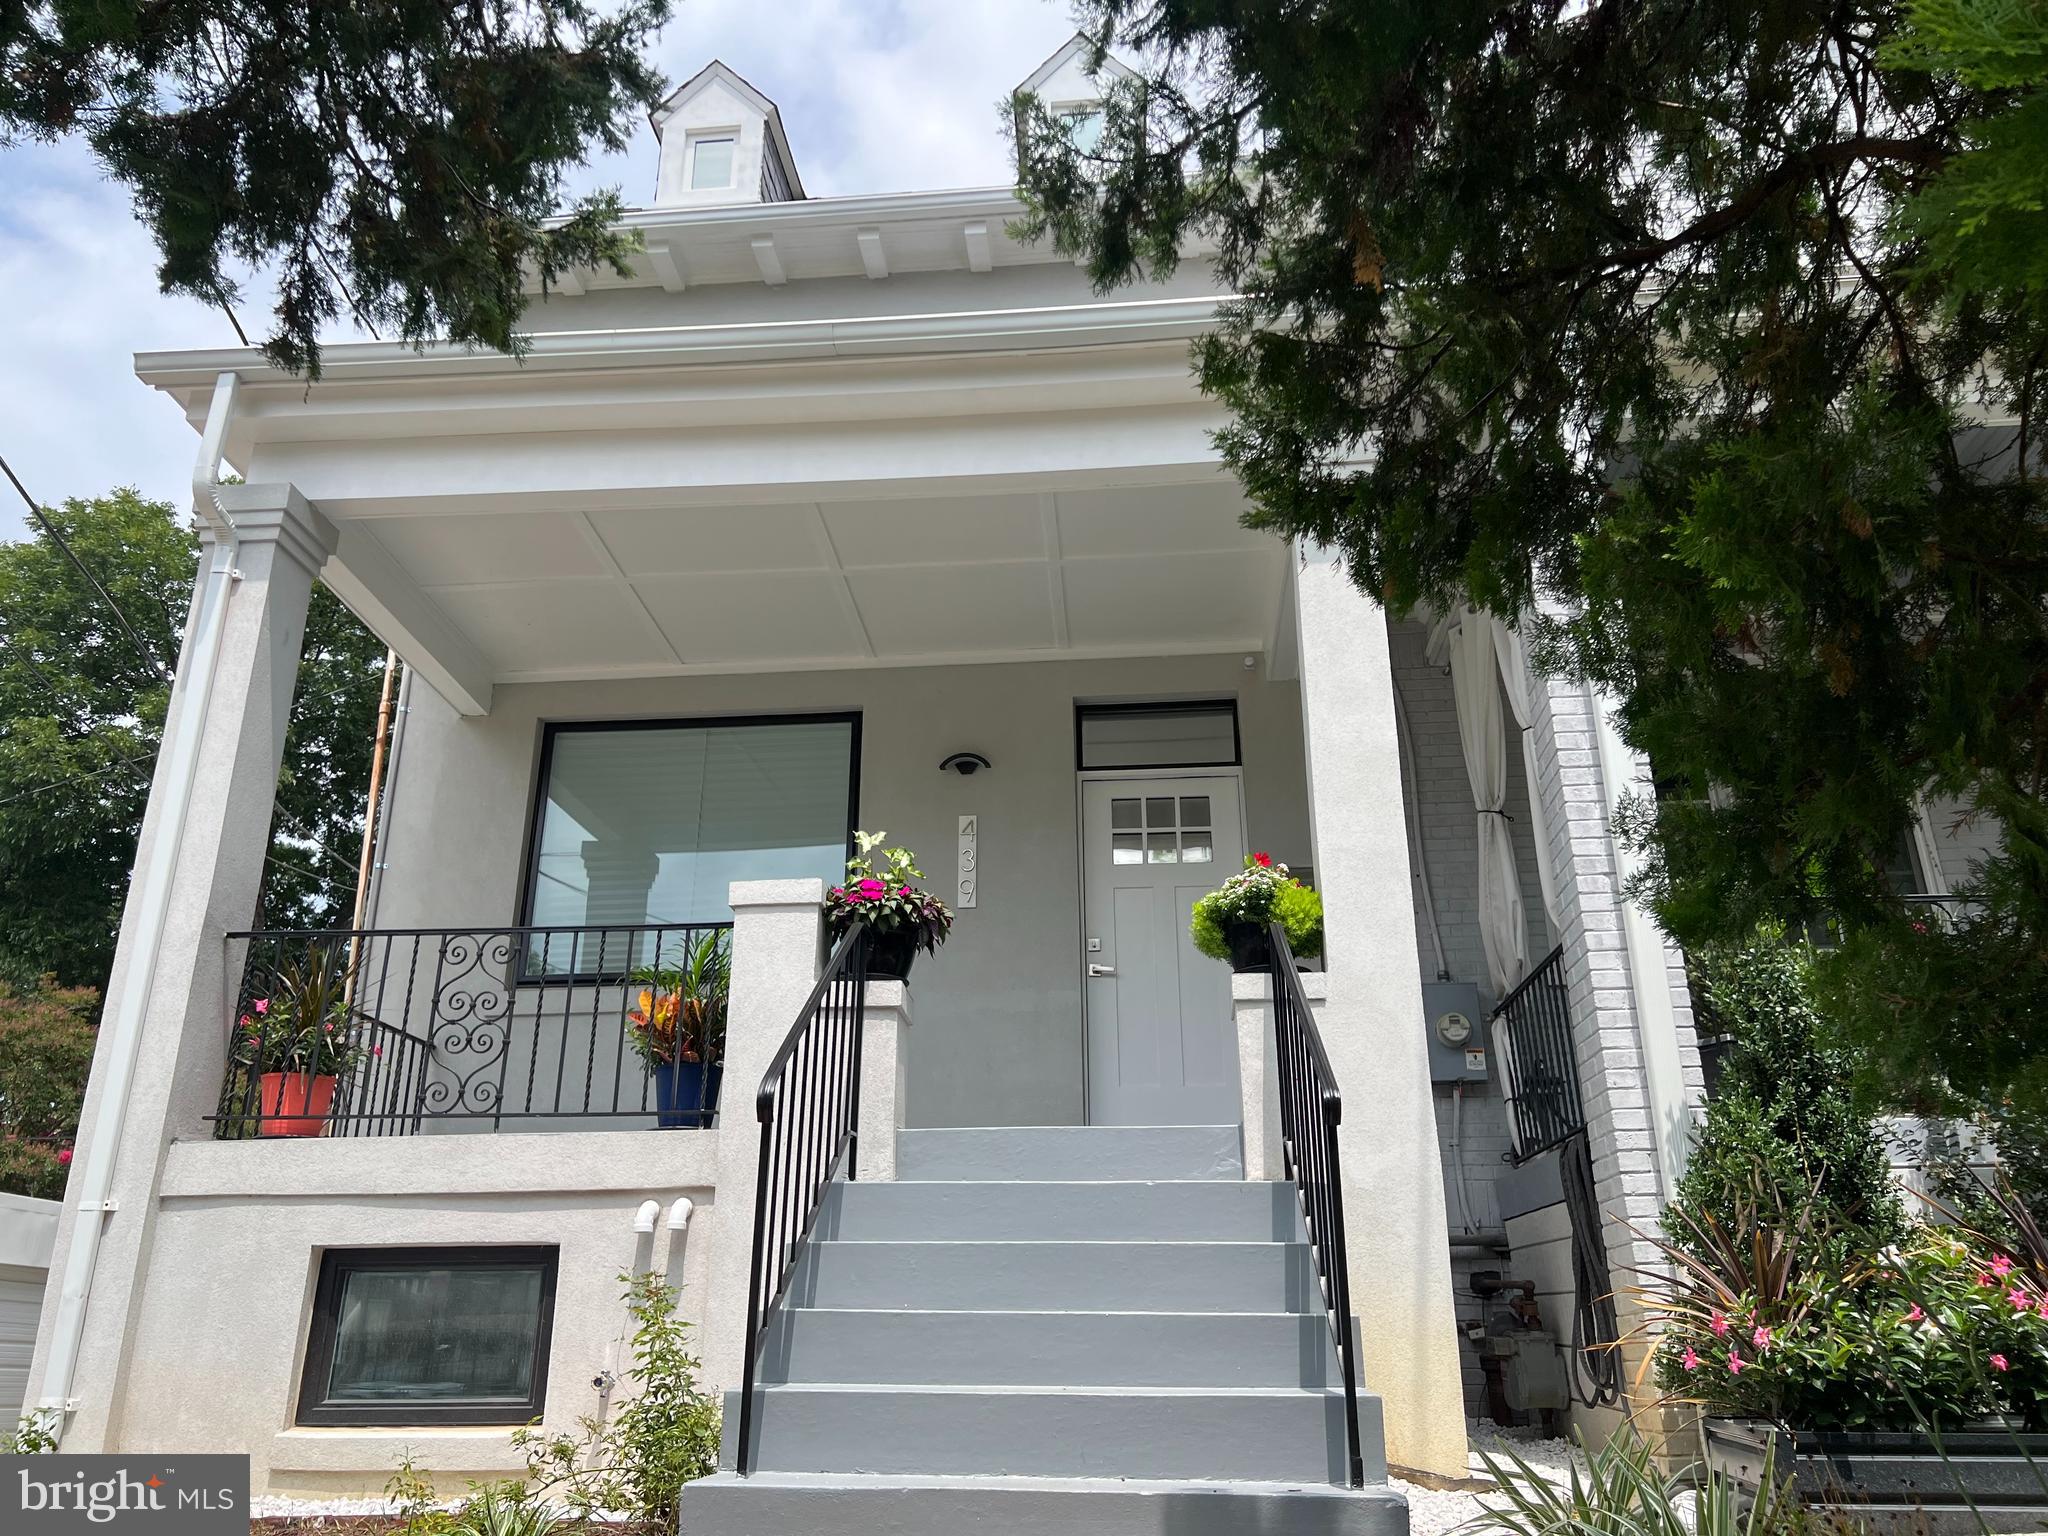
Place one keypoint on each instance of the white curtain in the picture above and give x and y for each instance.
(1465, 639)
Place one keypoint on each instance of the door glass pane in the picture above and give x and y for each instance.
(1126, 848)
(1191, 736)
(408, 1334)
(1194, 810)
(1195, 848)
(1124, 813)
(1160, 849)
(1159, 811)
(652, 825)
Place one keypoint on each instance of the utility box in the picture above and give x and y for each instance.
(1456, 1031)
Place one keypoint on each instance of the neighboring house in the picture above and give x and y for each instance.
(28, 1231)
(743, 553)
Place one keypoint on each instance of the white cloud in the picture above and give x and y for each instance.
(877, 96)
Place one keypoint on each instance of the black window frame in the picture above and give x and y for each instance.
(552, 730)
(1159, 707)
(314, 1411)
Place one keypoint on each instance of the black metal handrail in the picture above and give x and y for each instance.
(1310, 1111)
(1532, 1028)
(471, 1029)
(809, 1109)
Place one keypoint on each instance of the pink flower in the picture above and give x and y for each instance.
(1915, 1315)
(904, 891)
(2021, 1301)
(2043, 1308)
(261, 1005)
(2001, 1266)
(64, 1157)
(1987, 1278)
(376, 1050)
(1735, 1363)
(1999, 1363)
(872, 889)
(1760, 1336)
(1719, 1325)
(1690, 1360)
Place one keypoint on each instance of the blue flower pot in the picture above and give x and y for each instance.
(686, 1093)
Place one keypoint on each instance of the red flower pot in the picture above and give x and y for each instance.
(293, 1103)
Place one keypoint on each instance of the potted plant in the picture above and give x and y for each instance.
(1231, 922)
(297, 1042)
(900, 918)
(678, 1029)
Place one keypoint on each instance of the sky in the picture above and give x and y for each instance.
(876, 95)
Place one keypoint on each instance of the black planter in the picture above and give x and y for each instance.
(890, 954)
(1251, 949)
(1897, 1479)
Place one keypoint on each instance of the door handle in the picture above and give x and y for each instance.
(1100, 970)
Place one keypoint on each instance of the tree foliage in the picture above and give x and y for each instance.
(83, 713)
(397, 161)
(1713, 330)
(46, 1044)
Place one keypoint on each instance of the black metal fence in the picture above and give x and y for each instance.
(1532, 1032)
(397, 1032)
(809, 1109)
(1311, 1109)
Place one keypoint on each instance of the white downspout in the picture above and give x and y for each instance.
(151, 894)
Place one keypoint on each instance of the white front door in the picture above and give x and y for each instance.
(1162, 1049)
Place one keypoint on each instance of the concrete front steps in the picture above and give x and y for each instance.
(1093, 1330)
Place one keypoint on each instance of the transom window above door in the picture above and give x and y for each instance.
(1199, 733)
(652, 822)
(1161, 829)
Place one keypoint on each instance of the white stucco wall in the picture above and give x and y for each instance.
(998, 1039)
(219, 1339)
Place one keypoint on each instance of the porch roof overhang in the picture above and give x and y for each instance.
(904, 490)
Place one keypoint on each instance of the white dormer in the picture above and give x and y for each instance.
(722, 142)
(1064, 86)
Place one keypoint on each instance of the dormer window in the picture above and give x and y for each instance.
(711, 160)
(1083, 120)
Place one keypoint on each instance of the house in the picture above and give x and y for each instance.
(859, 512)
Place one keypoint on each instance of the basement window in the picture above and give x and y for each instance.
(429, 1336)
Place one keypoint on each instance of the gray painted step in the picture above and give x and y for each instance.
(1058, 1277)
(1247, 1434)
(790, 1504)
(1223, 1210)
(1083, 1349)
(1081, 1152)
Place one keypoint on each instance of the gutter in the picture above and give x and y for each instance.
(154, 879)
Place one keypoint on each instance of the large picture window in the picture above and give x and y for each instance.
(429, 1336)
(652, 822)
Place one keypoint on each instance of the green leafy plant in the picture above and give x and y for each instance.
(30, 1437)
(885, 898)
(1622, 1492)
(681, 1012)
(1263, 892)
(665, 1435)
(303, 1024)
(46, 1045)
(420, 1512)
(505, 1509)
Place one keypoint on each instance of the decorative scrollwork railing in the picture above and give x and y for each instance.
(1310, 1111)
(468, 1029)
(809, 1108)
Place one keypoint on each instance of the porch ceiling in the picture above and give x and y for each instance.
(565, 594)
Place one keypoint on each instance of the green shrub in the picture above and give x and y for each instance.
(665, 1434)
(46, 1044)
(1622, 1492)
(1785, 1112)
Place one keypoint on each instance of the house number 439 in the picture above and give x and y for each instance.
(970, 858)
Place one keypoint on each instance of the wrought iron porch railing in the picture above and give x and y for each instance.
(1532, 1031)
(468, 1029)
(809, 1109)
(1310, 1111)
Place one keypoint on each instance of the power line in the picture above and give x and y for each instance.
(105, 596)
(44, 789)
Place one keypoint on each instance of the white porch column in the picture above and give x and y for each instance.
(1258, 1067)
(1372, 1024)
(775, 930)
(167, 1000)
(884, 1021)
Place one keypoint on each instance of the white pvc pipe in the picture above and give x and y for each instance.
(150, 892)
(645, 1218)
(679, 1214)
